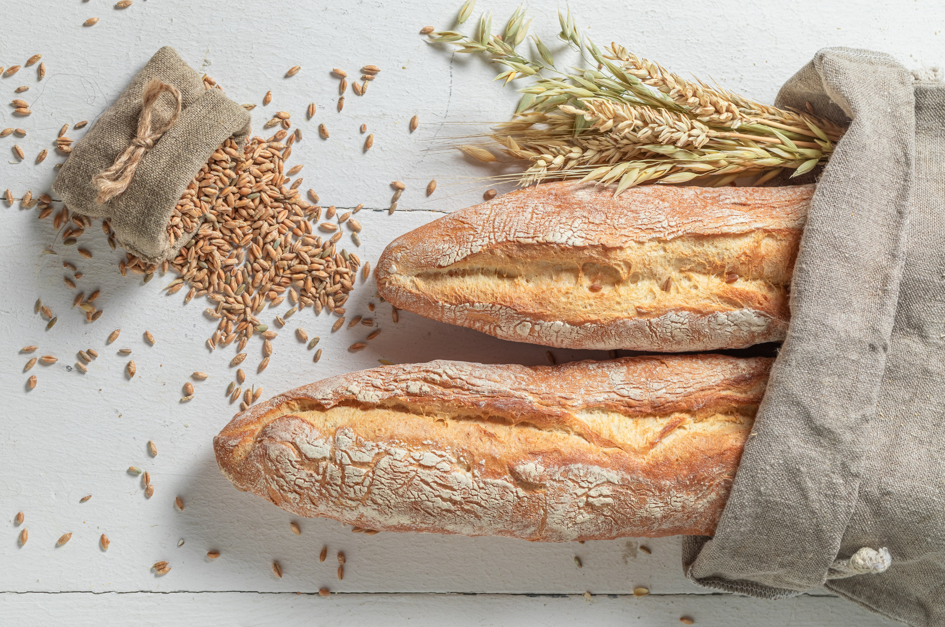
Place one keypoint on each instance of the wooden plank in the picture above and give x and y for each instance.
(356, 610)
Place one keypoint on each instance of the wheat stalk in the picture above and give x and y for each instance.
(630, 121)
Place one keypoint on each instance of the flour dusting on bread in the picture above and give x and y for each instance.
(643, 446)
(659, 268)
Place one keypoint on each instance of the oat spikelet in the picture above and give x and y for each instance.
(478, 153)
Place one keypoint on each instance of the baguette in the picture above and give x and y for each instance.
(639, 446)
(659, 268)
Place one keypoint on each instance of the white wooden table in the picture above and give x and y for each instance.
(76, 434)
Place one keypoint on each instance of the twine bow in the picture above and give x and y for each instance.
(115, 180)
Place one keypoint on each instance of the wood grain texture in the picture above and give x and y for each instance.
(659, 268)
(76, 434)
(640, 446)
(427, 610)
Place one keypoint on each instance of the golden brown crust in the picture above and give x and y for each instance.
(659, 268)
(641, 446)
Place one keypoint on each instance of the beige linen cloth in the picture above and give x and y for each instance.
(843, 482)
(140, 215)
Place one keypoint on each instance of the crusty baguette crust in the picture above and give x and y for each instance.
(659, 268)
(640, 446)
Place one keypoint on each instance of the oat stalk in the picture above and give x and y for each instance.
(631, 121)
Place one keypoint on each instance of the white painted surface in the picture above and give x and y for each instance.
(427, 610)
(76, 434)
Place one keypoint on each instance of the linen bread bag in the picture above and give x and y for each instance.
(135, 162)
(841, 483)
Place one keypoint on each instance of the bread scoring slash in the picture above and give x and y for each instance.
(659, 268)
(640, 446)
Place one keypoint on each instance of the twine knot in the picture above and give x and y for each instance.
(115, 180)
(146, 143)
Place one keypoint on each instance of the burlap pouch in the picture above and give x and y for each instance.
(139, 215)
(843, 480)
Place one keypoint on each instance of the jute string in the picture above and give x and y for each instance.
(115, 180)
